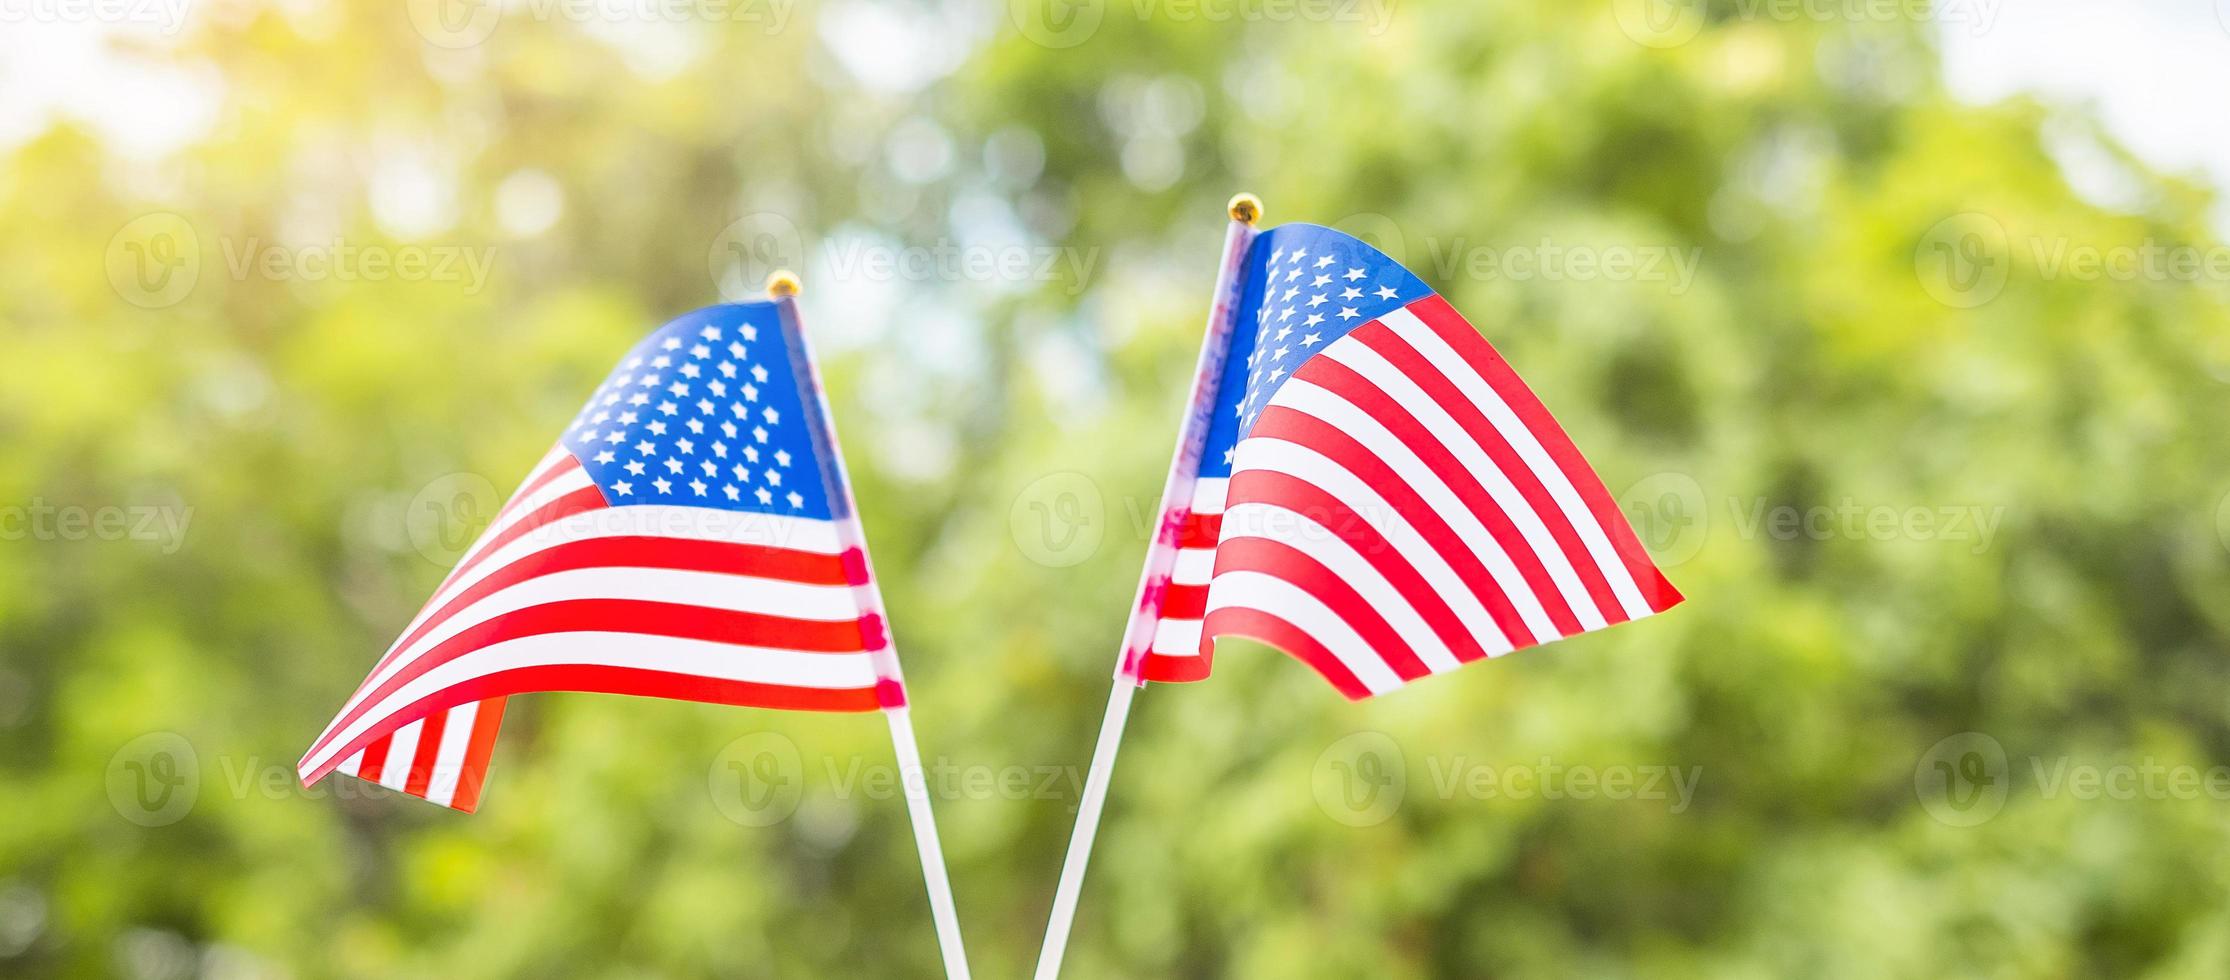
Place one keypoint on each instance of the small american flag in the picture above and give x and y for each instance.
(1379, 495)
(689, 537)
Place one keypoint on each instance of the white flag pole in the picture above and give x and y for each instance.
(890, 687)
(1153, 581)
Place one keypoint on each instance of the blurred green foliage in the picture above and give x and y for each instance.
(1824, 355)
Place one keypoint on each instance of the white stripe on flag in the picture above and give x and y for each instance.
(710, 590)
(683, 523)
(1312, 467)
(1177, 638)
(1208, 494)
(1421, 337)
(1273, 523)
(519, 510)
(1193, 566)
(1254, 590)
(637, 651)
(449, 762)
(402, 748)
(1341, 414)
(1451, 436)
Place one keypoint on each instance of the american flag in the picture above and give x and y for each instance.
(1379, 494)
(689, 537)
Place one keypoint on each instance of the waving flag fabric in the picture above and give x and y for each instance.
(1380, 495)
(687, 538)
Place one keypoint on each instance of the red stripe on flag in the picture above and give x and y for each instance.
(429, 752)
(1342, 380)
(1421, 371)
(621, 616)
(1292, 565)
(577, 502)
(557, 469)
(1184, 602)
(1199, 530)
(1303, 497)
(375, 758)
(1279, 422)
(643, 552)
(535, 482)
(606, 679)
(1161, 668)
(1255, 624)
(482, 746)
(1458, 332)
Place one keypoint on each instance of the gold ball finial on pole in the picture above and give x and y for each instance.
(1246, 208)
(782, 283)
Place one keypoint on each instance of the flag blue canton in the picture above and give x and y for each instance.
(1303, 287)
(709, 411)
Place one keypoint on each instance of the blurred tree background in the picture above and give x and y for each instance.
(1878, 323)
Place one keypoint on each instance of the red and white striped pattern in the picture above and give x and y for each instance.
(563, 592)
(1404, 505)
(1175, 653)
(441, 758)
